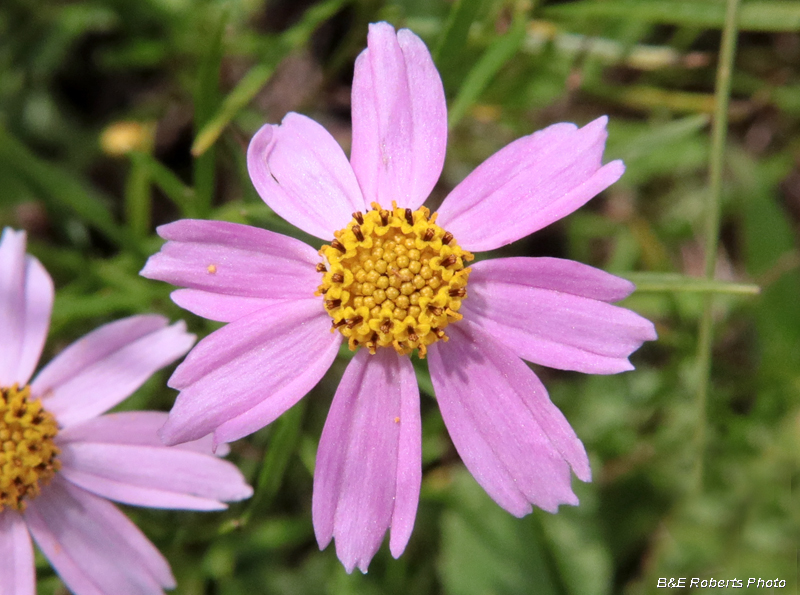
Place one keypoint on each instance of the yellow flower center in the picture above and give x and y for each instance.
(27, 451)
(393, 279)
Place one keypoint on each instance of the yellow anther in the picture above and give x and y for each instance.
(28, 453)
(393, 279)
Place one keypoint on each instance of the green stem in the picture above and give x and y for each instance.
(718, 133)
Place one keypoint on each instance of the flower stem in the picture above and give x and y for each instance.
(718, 133)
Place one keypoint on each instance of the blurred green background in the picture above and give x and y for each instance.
(118, 116)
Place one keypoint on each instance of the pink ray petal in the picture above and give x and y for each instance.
(26, 300)
(139, 428)
(94, 548)
(233, 259)
(301, 172)
(155, 476)
(399, 118)
(275, 355)
(529, 184)
(556, 274)
(514, 441)
(369, 462)
(218, 306)
(544, 314)
(17, 569)
(107, 365)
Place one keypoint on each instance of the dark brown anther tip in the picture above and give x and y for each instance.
(339, 246)
(386, 326)
(409, 217)
(435, 310)
(447, 238)
(428, 235)
(332, 304)
(321, 268)
(460, 292)
(449, 261)
(335, 324)
(359, 216)
(357, 232)
(337, 277)
(384, 218)
(354, 321)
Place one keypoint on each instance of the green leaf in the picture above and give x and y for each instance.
(753, 16)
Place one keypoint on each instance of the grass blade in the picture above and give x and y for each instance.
(63, 188)
(495, 57)
(762, 15)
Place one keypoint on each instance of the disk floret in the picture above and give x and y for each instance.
(27, 450)
(393, 278)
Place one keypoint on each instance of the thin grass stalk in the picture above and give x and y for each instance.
(713, 208)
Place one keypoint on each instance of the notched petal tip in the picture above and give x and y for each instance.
(376, 32)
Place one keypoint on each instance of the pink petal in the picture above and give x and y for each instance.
(233, 259)
(511, 437)
(369, 462)
(94, 548)
(17, 570)
(556, 274)
(155, 476)
(399, 119)
(138, 428)
(250, 371)
(301, 172)
(540, 310)
(218, 306)
(26, 300)
(529, 184)
(108, 365)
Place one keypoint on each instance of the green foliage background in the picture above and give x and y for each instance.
(684, 486)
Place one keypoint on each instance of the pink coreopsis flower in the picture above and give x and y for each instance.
(394, 279)
(61, 459)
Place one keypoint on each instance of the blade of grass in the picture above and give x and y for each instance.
(63, 189)
(455, 33)
(718, 135)
(495, 57)
(178, 192)
(282, 446)
(241, 95)
(258, 75)
(672, 282)
(138, 200)
(765, 15)
(206, 100)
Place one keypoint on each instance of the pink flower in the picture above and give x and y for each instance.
(60, 458)
(393, 279)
